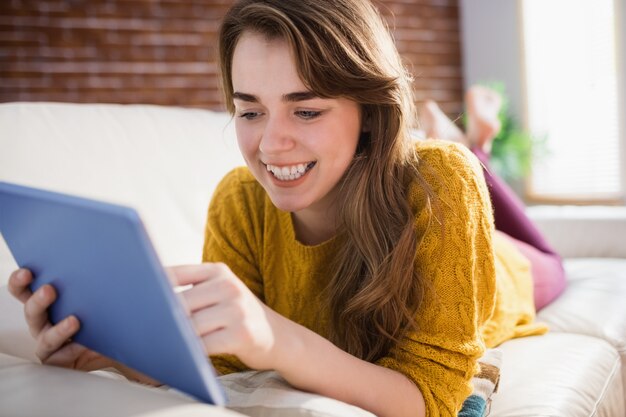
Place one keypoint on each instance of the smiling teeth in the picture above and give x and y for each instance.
(289, 173)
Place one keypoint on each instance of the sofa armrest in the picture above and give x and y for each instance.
(583, 231)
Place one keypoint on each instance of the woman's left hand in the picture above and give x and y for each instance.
(227, 315)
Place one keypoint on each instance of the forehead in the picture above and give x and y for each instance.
(261, 64)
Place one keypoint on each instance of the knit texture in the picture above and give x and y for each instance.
(478, 286)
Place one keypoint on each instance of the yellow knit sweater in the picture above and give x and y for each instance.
(479, 286)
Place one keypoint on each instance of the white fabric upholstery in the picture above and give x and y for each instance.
(603, 314)
(166, 161)
(593, 304)
(28, 390)
(559, 374)
(162, 161)
(14, 337)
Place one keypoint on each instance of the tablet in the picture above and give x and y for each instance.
(106, 272)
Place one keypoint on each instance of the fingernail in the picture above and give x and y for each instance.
(67, 323)
(21, 276)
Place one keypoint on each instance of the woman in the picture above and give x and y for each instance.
(355, 263)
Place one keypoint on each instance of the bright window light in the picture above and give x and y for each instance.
(572, 99)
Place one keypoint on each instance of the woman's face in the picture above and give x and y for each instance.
(296, 144)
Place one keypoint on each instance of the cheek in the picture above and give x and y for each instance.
(246, 139)
(348, 129)
(345, 138)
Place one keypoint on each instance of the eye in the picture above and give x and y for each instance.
(308, 114)
(249, 115)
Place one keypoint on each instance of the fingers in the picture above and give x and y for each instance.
(225, 313)
(209, 293)
(218, 342)
(214, 318)
(235, 341)
(19, 282)
(66, 355)
(194, 274)
(54, 337)
(52, 347)
(36, 306)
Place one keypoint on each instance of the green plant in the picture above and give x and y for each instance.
(513, 148)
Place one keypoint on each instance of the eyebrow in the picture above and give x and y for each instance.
(291, 97)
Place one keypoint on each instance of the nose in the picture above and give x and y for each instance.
(277, 137)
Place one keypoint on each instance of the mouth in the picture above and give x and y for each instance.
(289, 172)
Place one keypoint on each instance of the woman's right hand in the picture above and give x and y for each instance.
(54, 345)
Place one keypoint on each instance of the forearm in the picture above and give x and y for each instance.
(314, 364)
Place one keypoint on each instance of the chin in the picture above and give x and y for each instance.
(287, 205)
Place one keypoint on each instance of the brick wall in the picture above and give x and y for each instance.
(163, 51)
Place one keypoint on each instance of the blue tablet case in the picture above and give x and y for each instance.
(106, 272)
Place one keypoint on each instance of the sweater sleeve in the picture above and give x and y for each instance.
(232, 237)
(455, 260)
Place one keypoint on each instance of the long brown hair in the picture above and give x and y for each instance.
(342, 48)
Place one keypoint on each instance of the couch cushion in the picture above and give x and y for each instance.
(593, 304)
(556, 375)
(164, 161)
(28, 389)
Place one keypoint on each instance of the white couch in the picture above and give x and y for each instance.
(165, 162)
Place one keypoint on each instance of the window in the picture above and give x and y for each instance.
(572, 95)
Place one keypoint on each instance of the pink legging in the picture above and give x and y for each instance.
(510, 218)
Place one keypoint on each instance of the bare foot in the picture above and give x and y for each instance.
(483, 105)
(437, 125)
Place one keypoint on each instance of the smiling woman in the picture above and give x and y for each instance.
(336, 186)
(357, 263)
(282, 128)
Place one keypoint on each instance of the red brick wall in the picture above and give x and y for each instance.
(163, 51)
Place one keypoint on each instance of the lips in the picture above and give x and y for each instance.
(289, 172)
